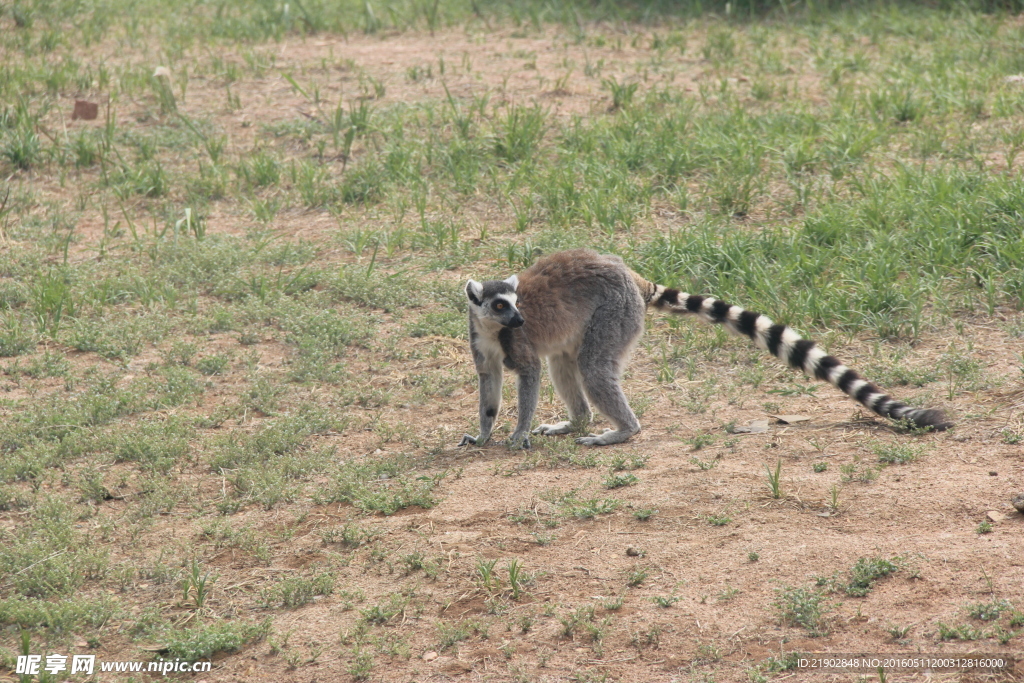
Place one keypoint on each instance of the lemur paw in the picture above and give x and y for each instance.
(517, 441)
(468, 440)
(564, 427)
(605, 438)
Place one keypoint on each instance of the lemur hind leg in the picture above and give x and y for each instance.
(603, 356)
(604, 390)
(565, 375)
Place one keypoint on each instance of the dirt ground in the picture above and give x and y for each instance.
(926, 513)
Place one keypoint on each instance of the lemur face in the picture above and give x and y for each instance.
(495, 300)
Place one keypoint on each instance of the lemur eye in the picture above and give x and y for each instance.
(499, 307)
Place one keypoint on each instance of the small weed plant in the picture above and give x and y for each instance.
(803, 607)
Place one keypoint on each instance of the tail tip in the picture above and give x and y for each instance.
(930, 417)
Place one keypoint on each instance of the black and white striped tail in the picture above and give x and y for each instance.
(799, 353)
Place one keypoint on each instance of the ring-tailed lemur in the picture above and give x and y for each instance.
(584, 312)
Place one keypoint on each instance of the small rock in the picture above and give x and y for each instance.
(1018, 502)
(790, 419)
(993, 473)
(995, 516)
(755, 427)
(86, 111)
(429, 656)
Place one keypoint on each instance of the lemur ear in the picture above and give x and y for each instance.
(514, 281)
(474, 290)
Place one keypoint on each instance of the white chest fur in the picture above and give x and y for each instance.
(487, 343)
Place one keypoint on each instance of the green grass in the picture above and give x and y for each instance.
(451, 634)
(662, 601)
(572, 506)
(897, 453)
(66, 616)
(965, 632)
(202, 641)
(615, 481)
(636, 576)
(384, 612)
(803, 607)
(989, 611)
(297, 591)
(639, 157)
(866, 571)
(774, 479)
(644, 514)
(385, 486)
(718, 520)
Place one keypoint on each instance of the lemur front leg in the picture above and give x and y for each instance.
(490, 403)
(529, 393)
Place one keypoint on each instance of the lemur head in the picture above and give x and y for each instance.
(495, 300)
